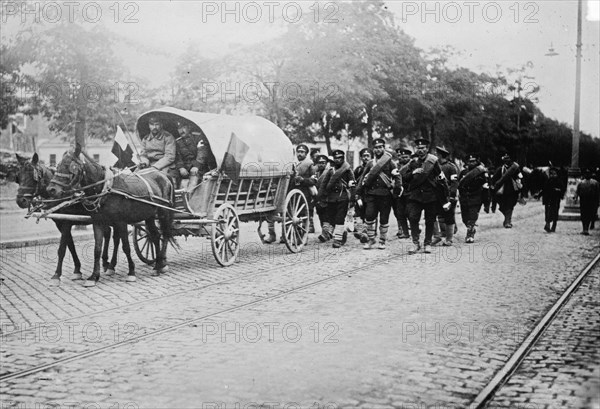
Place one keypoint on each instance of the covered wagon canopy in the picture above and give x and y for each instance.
(270, 151)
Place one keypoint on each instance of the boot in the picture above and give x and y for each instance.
(337, 236)
(383, 231)
(272, 236)
(311, 227)
(370, 235)
(436, 234)
(344, 237)
(449, 235)
(325, 232)
(553, 228)
(470, 238)
(547, 227)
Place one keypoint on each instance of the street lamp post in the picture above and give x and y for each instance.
(571, 209)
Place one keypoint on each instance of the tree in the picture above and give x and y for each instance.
(76, 76)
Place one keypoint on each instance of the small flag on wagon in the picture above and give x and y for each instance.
(121, 150)
(232, 160)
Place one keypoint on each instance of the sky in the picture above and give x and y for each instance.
(487, 34)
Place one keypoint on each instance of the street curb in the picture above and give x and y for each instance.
(12, 244)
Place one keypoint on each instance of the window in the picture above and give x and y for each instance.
(97, 157)
(52, 159)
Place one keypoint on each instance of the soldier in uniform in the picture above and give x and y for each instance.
(360, 228)
(193, 157)
(158, 149)
(379, 181)
(321, 162)
(335, 192)
(447, 216)
(400, 212)
(422, 174)
(473, 190)
(304, 181)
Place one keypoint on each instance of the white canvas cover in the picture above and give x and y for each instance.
(270, 150)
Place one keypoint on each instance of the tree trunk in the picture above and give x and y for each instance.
(327, 135)
(370, 125)
(81, 115)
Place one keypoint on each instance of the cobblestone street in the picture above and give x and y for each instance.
(322, 329)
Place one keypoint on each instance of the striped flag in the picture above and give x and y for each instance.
(232, 160)
(122, 151)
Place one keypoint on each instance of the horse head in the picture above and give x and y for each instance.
(33, 178)
(74, 174)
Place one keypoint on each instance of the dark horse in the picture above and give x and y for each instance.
(118, 206)
(33, 179)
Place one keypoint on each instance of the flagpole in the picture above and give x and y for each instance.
(130, 140)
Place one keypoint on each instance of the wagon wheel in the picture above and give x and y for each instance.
(143, 245)
(225, 235)
(295, 221)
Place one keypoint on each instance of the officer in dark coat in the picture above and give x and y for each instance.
(360, 228)
(379, 181)
(552, 193)
(473, 190)
(422, 174)
(335, 191)
(404, 156)
(506, 187)
(446, 217)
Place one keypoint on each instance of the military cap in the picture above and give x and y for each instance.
(421, 141)
(472, 156)
(403, 151)
(337, 153)
(154, 119)
(506, 156)
(182, 123)
(302, 147)
(365, 150)
(378, 141)
(442, 149)
(320, 158)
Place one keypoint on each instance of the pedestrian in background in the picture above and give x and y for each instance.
(552, 193)
(360, 227)
(588, 192)
(321, 162)
(446, 217)
(507, 185)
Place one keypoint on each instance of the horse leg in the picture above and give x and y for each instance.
(113, 261)
(155, 239)
(165, 219)
(64, 229)
(71, 245)
(124, 236)
(105, 264)
(98, 237)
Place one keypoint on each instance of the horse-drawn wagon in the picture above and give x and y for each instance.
(254, 164)
(251, 187)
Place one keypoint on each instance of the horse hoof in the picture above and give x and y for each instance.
(131, 279)
(163, 270)
(54, 282)
(155, 273)
(110, 272)
(89, 283)
(77, 276)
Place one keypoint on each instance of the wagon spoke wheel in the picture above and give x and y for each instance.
(295, 221)
(225, 235)
(143, 245)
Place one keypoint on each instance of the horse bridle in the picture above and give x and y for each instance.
(74, 177)
(31, 191)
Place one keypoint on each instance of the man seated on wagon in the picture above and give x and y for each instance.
(193, 157)
(158, 149)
